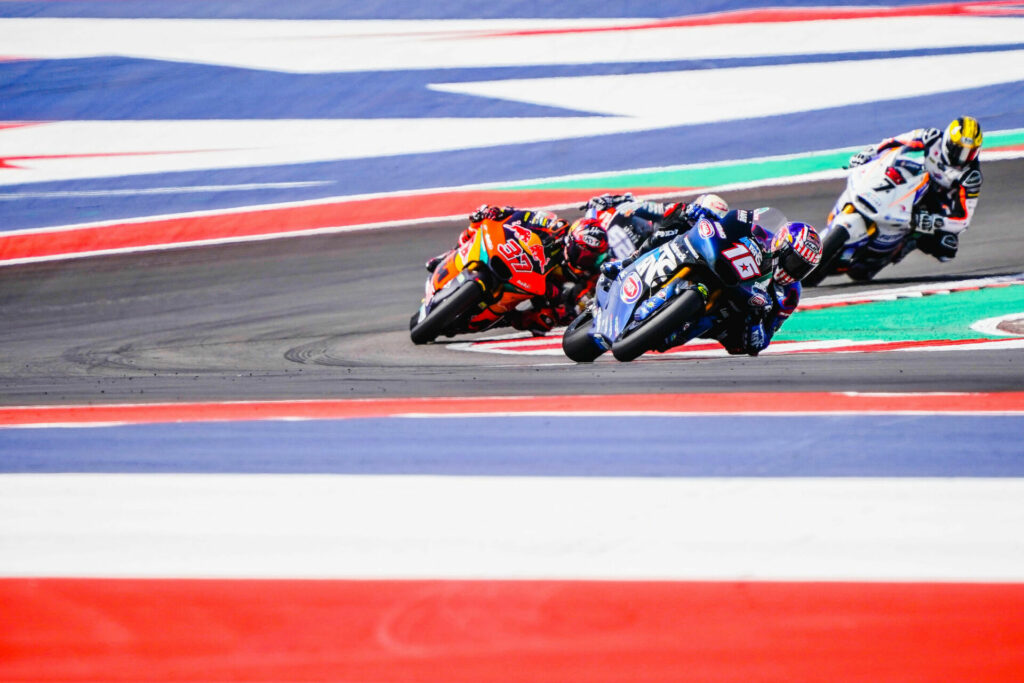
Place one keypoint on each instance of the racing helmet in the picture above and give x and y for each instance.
(713, 204)
(946, 159)
(797, 250)
(961, 142)
(586, 247)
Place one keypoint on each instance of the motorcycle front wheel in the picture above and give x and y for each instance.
(659, 327)
(577, 343)
(470, 294)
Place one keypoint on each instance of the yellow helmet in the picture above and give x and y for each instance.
(961, 141)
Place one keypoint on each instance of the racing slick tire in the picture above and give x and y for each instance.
(577, 343)
(663, 323)
(470, 294)
(831, 246)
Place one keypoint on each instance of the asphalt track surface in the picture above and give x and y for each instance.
(328, 317)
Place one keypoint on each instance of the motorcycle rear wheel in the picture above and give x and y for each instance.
(831, 246)
(652, 335)
(577, 343)
(469, 294)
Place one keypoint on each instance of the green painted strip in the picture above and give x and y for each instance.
(727, 173)
(705, 176)
(937, 316)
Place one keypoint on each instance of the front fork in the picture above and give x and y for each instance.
(857, 226)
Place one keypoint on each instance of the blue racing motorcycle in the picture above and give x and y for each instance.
(676, 292)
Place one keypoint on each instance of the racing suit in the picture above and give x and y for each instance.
(644, 220)
(949, 205)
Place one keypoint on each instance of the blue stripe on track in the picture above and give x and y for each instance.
(122, 88)
(720, 446)
(403, 9)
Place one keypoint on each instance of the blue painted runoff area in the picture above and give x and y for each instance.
(404, 9)
(601, 446)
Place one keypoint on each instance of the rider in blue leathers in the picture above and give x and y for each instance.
(757, 311)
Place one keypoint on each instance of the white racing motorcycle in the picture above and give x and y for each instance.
(874, 221)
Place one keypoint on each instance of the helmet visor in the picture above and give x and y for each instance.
(794, 265)
(960, 155)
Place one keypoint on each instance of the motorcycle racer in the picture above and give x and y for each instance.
(951, 159)
(576, 251)
(756, 312)
(586, 248)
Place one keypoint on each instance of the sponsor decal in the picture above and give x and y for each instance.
(888, 238)
(705, 228)
(758, 301)
(631, 289)
(755, 250)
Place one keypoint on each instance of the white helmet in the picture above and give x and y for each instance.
(713, 204)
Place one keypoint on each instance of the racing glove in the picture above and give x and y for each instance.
(692, 212)
(610, 269)
(491, 212)
(929, 222)
(478, 215)
(861, 157)
(607, 201)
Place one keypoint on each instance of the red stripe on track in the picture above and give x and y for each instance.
(788, 15)
(77, 630)
(904, 345)
(274, 221)
(809, 402)
(6, 162)
(777, 347)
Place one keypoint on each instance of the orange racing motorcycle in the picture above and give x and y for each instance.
(502, 268)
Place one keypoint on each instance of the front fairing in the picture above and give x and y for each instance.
(886, 190)
(617, 300)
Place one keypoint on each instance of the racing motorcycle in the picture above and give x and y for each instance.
(475, 288)
(873, 223)
(687, 277)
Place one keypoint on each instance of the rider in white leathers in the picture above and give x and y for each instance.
(951, 159)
